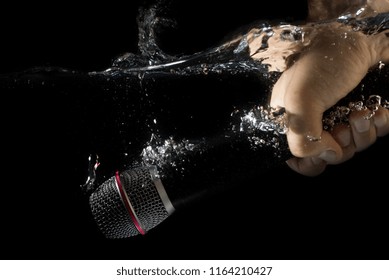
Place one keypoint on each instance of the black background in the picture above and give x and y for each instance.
(341, 214)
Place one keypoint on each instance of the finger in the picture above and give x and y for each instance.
(305, 127)
(306, 138)
(381, 121)
(363, 129)
(343, 136)
(309, 166)
(325, 151)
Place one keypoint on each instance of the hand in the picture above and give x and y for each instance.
(332, 65)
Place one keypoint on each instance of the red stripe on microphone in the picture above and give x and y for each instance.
(127, 204)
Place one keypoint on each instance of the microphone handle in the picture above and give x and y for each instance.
(218, 164)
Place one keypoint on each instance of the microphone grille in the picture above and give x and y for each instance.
(130, 203)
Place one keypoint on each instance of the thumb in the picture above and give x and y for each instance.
(306, 137)
(312, 147)
(298, 93)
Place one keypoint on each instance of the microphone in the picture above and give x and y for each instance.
(176, 173)
(136, 200)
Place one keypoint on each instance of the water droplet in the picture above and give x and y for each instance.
(340, 114)
(360, 11)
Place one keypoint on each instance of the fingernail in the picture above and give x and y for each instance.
(316, 160)
(362, 125)
(328, 156)
(344, 138)
(380, 121)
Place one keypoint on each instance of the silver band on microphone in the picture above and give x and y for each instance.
(161, 190)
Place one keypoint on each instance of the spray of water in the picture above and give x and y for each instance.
(264, 50)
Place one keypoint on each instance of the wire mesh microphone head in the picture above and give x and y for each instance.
(130, 203)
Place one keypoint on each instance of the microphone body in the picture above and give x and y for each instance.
(175, 173)
(136, 200)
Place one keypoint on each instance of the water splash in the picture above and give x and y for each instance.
(340, 114)
(93, 164)
(262, 50)
(366, 20)
(263, 119)
(160, 151)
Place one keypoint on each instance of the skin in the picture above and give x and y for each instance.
(333, 64)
